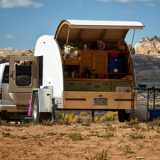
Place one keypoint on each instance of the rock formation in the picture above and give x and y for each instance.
(6, 52)
(148, 46)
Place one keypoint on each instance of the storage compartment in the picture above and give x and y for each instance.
(96, 64)
(96, 70)
(95, 59)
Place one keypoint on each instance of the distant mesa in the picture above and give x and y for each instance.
(148, 46)
(147, 61)
(7, 52)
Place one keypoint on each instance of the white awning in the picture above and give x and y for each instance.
(91, 30)
(103, 24)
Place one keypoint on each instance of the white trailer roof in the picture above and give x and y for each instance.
(103, 24)
(92, 30)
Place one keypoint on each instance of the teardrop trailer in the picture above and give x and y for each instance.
(87, 65)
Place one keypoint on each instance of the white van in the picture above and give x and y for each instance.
(17, 78)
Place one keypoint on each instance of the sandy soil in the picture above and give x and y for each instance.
(110, 141)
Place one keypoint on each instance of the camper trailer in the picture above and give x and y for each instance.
(86, 65)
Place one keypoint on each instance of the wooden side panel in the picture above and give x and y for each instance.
(85, 100)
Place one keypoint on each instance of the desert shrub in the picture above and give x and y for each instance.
(7, 134)
(85, 119)
(108, 116)
(154, 123)
(128, 150)
(75, 136)
(137, 135)
(100, 156)
(106, 135)
(134, 123)
(68, 118)
(110, 127)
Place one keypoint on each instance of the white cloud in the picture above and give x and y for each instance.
(147, 2)
(20, 4)
(9, 36)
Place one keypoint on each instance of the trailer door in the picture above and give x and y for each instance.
(23, 74)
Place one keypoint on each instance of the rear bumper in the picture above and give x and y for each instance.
(86, 100)
(13, 108)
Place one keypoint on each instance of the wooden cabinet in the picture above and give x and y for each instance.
(95, 60)
(100, 62)
(86, 59)
(89, 62)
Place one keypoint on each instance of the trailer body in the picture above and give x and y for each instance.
(77, 63)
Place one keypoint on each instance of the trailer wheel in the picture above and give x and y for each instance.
(121, 115)
(127, 116)
(0, 118)
(35, 112)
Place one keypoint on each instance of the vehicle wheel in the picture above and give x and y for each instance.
(127, 116)
(121, 115)
(0, 119)
(35, 106)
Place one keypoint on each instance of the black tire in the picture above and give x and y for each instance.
(35, 108)
(127, 116)
(123, 116)
(0, 118)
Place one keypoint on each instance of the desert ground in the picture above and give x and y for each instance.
(81, 141)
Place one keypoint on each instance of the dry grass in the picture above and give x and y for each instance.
(103, 155)
(128, 149)
(75, 136)
(137, 135)
(106, 135)
(98, 141)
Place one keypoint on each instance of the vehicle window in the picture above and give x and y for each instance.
(6, 75)
(23, 73)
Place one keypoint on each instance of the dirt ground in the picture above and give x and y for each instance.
(96, 141)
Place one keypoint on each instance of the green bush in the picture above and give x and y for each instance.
(75, 136)
(108, 116)
(100, 156)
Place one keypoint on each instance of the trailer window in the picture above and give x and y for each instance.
(6, 75)
(23, 73)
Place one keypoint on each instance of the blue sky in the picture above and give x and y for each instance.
(23, 21)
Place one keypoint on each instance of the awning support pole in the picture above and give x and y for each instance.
(132, 39)
(68, 32)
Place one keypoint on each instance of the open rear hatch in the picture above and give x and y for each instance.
(71, 31)
(95, 49)
(95, 57)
